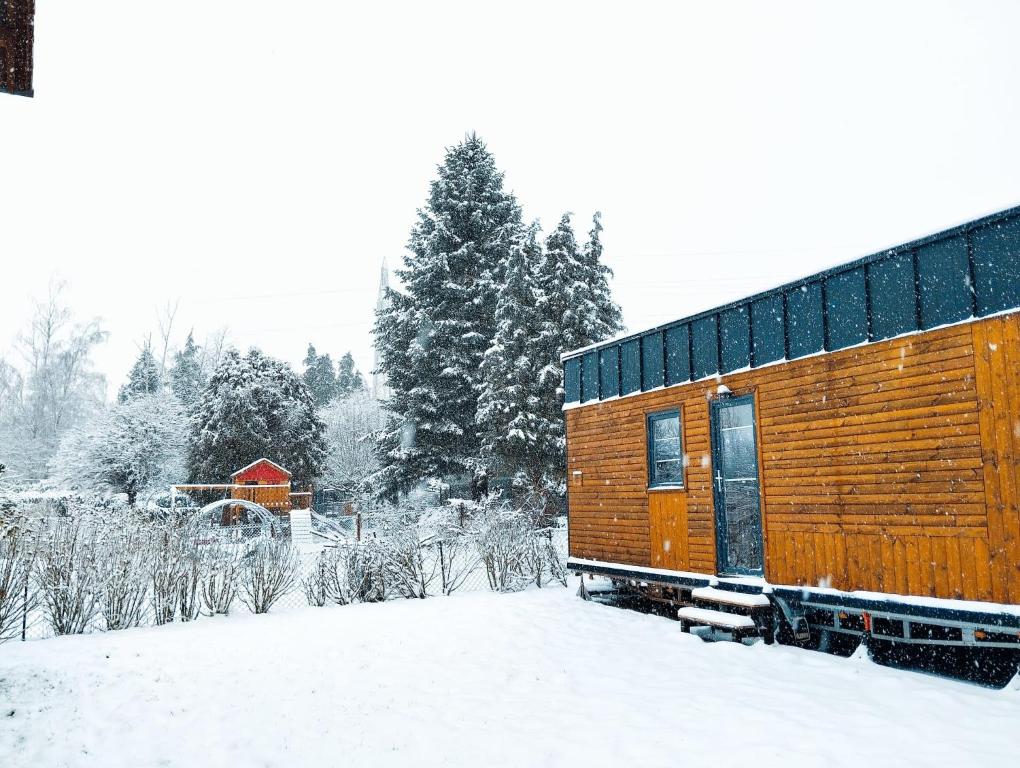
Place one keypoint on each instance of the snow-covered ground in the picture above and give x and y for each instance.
(538, 678)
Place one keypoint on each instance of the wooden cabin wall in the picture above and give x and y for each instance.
(272, 497)
(888, 467)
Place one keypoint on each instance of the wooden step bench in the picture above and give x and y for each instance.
(726, 597)
(735, 622)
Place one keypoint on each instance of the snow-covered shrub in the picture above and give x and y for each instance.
(542, 563)
(18, 595)
(166, 572)
(193, 571)
(268, 572)
(67, 576)
(218, 586)
(122, 565)
(457, 557)
(502, 536)
(314, 584)
(408, 561)
(556, 562)
(351, 572)
(453, 549)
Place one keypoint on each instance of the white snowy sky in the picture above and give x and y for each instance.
(257, 160)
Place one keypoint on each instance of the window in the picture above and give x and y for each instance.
(665, 455)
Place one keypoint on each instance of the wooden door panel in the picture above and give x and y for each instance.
(667, 523)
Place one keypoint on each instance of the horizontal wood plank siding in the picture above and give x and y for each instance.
(889, 467)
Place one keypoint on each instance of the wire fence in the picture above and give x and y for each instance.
(254, 567)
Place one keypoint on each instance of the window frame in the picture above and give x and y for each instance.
(650, 419)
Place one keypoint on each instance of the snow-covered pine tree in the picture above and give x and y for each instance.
(144, 378)
(577, 301)
(186, 376)
(432, 340)
(348, 377)
(320, 376)
(577, 309)
(255, 406)
(522, 440)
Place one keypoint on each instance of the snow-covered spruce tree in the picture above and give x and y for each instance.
(577, 309)
(348, 377)
(186, 376)
(432, 339)
(520, 437)
(576, 299)
(320, 376)
(143, 379)
(135, 446)
(255, 406)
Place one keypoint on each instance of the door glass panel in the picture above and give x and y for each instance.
(739, 515)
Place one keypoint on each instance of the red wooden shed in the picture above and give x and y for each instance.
(261, 472)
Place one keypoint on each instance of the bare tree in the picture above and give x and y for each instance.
(165, 320)
(351, 423)
(216, 344)
(268, 572)
(56, 388)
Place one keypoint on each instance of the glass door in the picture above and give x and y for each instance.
(736, 487)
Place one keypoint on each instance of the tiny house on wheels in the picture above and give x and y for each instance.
(834, 459)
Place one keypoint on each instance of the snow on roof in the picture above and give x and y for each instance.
(259, 461)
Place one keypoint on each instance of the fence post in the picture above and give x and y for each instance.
(24, 613)
(357, 521)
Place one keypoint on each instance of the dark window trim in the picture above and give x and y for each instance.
(650, 418)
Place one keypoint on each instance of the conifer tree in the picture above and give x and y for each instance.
(186, 375)
(348, 377)
(144, 378)
(320, 376)
(432, 339)
(522, 440)
(255, 406)
(576, 308)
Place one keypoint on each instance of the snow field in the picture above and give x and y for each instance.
(538, 678)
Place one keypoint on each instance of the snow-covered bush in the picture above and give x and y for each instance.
(268, 572)
(122, 566)
(218, 585)
(542, 562)
(408, 560)
(314, 584)
(351, 572)
(18, 595)
(457, 558)
(193, 571)
(166, 572)
(67, 576)
(502, 536)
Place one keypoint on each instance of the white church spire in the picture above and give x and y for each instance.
(380, 387)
